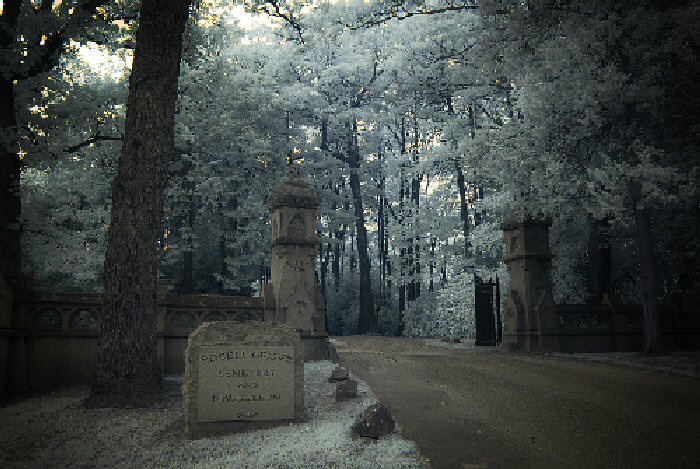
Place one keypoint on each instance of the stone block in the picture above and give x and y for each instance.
(345, 390)
(338, 374)
(241, 377)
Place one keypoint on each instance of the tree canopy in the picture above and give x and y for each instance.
(421, 124)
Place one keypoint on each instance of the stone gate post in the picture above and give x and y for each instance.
(530, 317)
(294, 244)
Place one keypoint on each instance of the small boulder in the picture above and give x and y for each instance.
(339, 374)
(375, 422)
(345, 390)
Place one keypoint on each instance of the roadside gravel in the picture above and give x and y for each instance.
(54, 430)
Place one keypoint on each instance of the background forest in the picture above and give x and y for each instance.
(421, 124)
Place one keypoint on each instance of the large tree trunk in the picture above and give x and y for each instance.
(323, 264)
(187, 220)
(10, 202)
(127, 365)
(599, 262)
(433, 243)
(335, 266)
(380, 240)
(339, 236)
(649, 280)
(463, 211)
(187, 281)
(368, 319)
(402, 287)
(414, 242)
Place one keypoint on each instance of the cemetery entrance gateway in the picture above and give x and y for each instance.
(487, 324)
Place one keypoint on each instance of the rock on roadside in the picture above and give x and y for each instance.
(375, 422)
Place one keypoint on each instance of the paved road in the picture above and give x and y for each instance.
(472, 408)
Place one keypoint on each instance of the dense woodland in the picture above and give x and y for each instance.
(422, 125)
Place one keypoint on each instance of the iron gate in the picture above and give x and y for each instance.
(487, 301)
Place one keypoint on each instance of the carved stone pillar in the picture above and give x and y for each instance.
(294, 245)
(530, 317)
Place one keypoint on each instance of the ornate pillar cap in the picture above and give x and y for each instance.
(294, 192)
(535, 222)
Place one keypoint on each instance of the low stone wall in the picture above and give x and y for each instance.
(52, 336)
(533, 322)
(603, 328)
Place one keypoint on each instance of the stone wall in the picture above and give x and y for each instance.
(618, 328)
(50, 338)
(533, 322)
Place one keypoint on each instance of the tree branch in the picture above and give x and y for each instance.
(339, 155)
(393, 214)
(394, 13)
(273, 9)
(90, 141)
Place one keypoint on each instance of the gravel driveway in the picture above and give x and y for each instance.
(468, 407)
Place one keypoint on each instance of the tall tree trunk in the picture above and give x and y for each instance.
(386, 262)
(599, 262)
(402, 222)
(402, 304)
(187, 282)
(127, 365)
(380, 240)
(323, 261)
(415, 198)
(463, 209)
(443, 273)
(648, 276)
(433, 243)
(383, 236)
(368, 318)
(335, 266)
(336, 262)
(10, 202)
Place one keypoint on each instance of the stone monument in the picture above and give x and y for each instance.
(294, 246)
(530, 317)
(242, 376)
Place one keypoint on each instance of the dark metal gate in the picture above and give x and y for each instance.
(488, 325)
